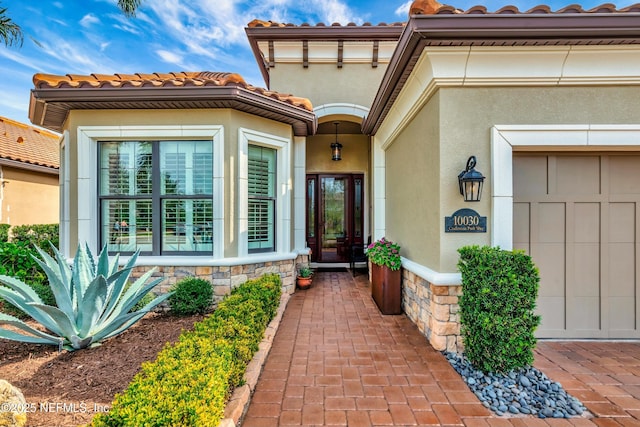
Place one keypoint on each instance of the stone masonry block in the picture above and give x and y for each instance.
(440, 312)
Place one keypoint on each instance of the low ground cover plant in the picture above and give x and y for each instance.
(499, 293)
(191, 295)
(190, 381)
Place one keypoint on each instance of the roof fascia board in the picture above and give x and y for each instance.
(423, 30)
(29, 166)
(226, 93)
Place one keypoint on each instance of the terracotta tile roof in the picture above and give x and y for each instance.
(540, 9)
(159, 80)
(28, 144)
(257, 23)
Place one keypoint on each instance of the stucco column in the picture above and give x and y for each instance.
(379, 190)
(299, 192)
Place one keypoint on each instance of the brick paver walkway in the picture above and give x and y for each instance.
(336, 360)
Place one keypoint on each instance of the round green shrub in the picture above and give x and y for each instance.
(191, 296)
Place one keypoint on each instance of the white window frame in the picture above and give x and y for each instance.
(508, 138)
(284, 179)
(88, 139)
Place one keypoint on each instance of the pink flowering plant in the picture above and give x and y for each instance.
(385, 252)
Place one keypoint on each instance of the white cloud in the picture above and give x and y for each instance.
(170, 57)
(403, 9)
(88, 20)
(104, 46)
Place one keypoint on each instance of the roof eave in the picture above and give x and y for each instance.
(318, 32)
(468, 29)
(303, 121)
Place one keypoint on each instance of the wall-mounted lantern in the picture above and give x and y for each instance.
(336, 147)
(470, 182)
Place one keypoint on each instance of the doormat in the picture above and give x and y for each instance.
(332, 269)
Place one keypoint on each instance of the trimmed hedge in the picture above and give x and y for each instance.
(189, 382)
(499, 293)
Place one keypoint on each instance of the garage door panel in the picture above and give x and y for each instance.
(550, 229)
(583, 314)
(586, 273)
(552, 314)
(622, 314)
(627, 174)
(582, 232)
(532, 175)
(549, 257)
(622, 219)
(577, 175)
(521, 218)
(586, 222)
(622, 269)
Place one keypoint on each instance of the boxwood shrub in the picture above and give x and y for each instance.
(190, 381)
(499, 292)
(191, 295)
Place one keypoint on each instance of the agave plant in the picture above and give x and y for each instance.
(94, 301)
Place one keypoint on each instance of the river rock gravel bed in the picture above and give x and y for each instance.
(527, 391)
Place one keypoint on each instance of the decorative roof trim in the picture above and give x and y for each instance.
(54, 96)
(566, 27)
(258, 31)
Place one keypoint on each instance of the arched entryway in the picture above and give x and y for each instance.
(337, 191)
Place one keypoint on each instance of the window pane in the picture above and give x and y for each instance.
(262, 171)
(126, 225)
(187, 225)
(262, 197)
(261, 224)
(187, 167)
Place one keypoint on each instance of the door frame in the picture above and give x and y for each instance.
(312, 228)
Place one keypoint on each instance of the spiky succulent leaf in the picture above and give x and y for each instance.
(83, 273)
(57, 276)
(65, 323)
(20, 287)
(35, 337)
(119, 325)
(92, 301)
(22, 303)
(93, 305)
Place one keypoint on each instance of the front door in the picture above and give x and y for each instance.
(334, 215)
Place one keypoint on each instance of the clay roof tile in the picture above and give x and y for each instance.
(28, 144)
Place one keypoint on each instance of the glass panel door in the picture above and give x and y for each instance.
(333, 226)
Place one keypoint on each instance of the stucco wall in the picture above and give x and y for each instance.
(413, 190)
(326, 83)
(355, 154)
(465, 118)
(231, 120)
(29, 197)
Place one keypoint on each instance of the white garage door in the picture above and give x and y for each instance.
(578, 217)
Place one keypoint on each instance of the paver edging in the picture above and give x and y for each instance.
(239, 401)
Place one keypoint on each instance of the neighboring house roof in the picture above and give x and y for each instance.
(54, 96)
(269, 31)
(28, 147)
(447, 26)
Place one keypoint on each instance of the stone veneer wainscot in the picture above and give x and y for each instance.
(434, 309)
(226, 278)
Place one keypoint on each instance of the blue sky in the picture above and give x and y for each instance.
(93, 36)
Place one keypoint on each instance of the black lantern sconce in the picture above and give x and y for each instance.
(470, 182)
(336, 147)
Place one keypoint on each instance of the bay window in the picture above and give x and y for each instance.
(151, 186)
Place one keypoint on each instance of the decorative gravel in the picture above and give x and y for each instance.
(525, 391)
